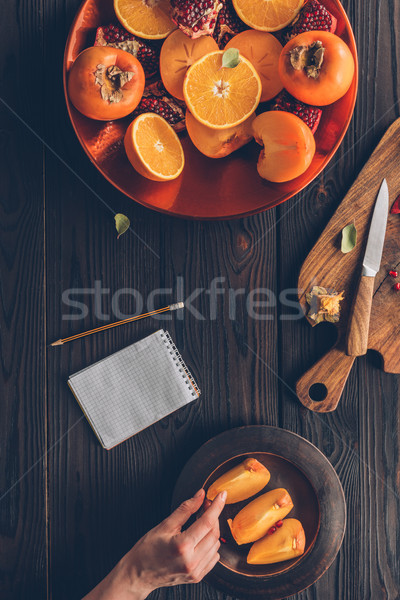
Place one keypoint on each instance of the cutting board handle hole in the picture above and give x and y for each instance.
(318, 392)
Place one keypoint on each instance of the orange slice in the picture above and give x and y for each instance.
(153, 148)
(148, 19)
(218, 96)
(267, 15)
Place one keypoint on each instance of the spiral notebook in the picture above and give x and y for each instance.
(133, 388)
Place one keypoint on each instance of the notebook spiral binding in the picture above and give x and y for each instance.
(173, 350)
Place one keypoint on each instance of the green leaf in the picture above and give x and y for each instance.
(230, 58)
(349, 238)
(122, 224)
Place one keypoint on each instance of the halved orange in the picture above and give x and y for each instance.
(267, 15)
(218, 96)
(149, 19)
(153, 148)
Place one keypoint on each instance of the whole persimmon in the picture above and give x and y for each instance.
(217, 143)
(316, 67)
(289, 145)
(178, 53)
(105, 83)
(263, 50)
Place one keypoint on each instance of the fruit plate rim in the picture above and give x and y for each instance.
(321, 475)
(238, 214)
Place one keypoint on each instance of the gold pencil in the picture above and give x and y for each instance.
(171, 307)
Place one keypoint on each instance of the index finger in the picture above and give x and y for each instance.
(207, 521)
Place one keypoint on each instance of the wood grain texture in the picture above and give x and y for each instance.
(326, 377)
(23, 471)
(327, 266)
(359, 318)
(99, 503)
(351, 437)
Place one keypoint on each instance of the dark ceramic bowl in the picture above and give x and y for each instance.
(296, 465)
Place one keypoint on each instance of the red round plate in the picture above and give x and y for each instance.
(208, 188)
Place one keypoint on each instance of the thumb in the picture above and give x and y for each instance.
(178, 518)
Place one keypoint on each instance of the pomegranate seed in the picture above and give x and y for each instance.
(228, 24)
(397, 287)
(279, 524)
(313, 16)
(272, 530)
(223, 540)
(197, 18)
(116, 35)
(311, 115)
(393, 274)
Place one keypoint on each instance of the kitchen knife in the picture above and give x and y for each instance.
(358, 329)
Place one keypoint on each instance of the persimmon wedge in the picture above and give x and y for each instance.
(289, 145)
(105, 83)
(257, 517)
(241, 482)
(287, 542)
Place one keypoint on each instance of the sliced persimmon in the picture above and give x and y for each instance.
(287, 542)
(289, 145)
(240, 482)
(257, 517)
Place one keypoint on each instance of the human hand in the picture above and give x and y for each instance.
(166, 555)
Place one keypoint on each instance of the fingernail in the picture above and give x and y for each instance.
(198, 494)
(223, 496)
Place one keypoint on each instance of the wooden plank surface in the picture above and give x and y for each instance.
(23, 427)
(80, 508)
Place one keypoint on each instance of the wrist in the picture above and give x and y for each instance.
(133, 581)
(123, 583)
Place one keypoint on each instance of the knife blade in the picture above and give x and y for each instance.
(358, 329)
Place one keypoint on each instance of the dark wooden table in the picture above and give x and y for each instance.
(68, 508)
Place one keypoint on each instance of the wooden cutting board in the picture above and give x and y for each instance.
(328, 267)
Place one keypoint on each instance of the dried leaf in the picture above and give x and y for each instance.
(395, 210)
(122, 224)
(230, 58)
(349, 238)
(111, 79)
(324, 304)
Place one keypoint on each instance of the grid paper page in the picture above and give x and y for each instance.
(133, 388)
